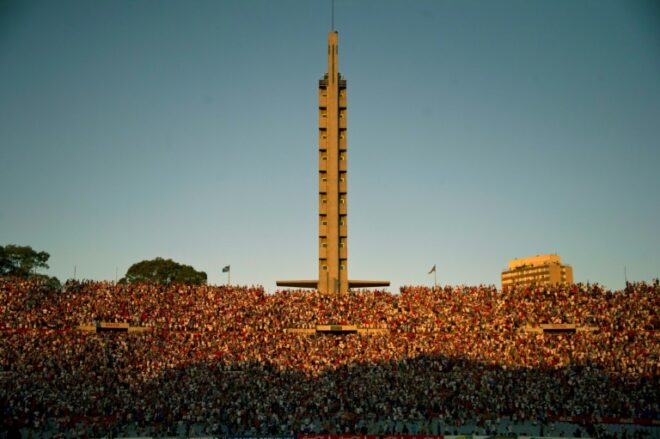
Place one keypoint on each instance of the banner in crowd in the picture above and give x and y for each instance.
(259, 437)
(230, 437)
(605, 420)
(337, 436)
(238, 437)
(366, 436)
(409, 436)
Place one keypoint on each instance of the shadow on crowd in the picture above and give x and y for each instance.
(120, 385)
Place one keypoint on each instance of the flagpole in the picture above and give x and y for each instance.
(435, 277)
(227, 269)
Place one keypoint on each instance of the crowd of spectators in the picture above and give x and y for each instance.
(222, 357)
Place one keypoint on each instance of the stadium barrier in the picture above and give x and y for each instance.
(112, 326)
(558, 328)
(337, 329)
(306, 331)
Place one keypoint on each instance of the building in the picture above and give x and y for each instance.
(537, 270)
(333, 185)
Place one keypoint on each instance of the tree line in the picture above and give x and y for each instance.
(25, 262)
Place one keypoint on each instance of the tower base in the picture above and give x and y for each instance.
(315, 284)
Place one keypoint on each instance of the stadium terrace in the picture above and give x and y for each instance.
(220, 361)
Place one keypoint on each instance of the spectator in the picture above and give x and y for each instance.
(221, 357)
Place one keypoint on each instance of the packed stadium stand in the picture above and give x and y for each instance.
(99, 359)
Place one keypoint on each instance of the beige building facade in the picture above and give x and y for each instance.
(333, 185)
(537, 270)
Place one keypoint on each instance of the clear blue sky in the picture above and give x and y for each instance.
(479, 131)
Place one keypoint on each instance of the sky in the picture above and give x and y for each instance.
(478, 132)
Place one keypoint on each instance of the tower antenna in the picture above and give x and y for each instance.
(332, 15)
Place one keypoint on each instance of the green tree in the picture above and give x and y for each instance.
(163, 271)
(21, 261)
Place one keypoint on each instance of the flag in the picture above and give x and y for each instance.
(225, 269)
(432, 269)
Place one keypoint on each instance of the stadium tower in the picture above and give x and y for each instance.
(333, 203)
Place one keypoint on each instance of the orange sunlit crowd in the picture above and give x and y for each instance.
(222, 357)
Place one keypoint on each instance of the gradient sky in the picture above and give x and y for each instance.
(479, 131)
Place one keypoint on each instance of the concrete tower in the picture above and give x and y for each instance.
(333, 184)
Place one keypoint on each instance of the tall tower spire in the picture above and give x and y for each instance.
(333, 235)
(333, 184)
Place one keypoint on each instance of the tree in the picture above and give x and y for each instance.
(163, 271)
(21, 261)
